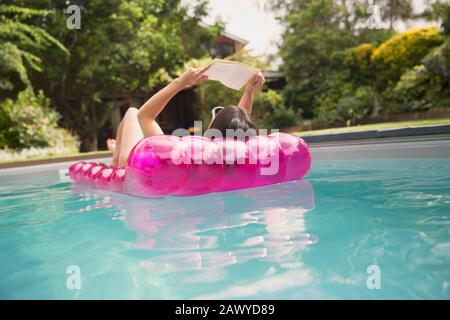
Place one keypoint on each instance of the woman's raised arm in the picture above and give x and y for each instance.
(254, 83)
(151, 109)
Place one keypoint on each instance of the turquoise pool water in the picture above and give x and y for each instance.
(302, 240)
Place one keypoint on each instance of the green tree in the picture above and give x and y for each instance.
(124, 47)
(338, 66)
(439, 10)
(395, 10)
(22, 43)
(313, 39)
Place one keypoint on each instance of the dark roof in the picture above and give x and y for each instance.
(227, 34)
(273, 74)
(234, 37)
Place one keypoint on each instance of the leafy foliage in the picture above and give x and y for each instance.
(341, 69)
(317, 63)
(427, 85)
(403, 51)
(282, 118)
(20, 44)
(122, 49)
(30, 122)
(359, 61)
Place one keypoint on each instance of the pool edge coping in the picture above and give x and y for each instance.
(380, 134)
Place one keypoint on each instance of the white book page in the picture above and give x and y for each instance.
(231, 74)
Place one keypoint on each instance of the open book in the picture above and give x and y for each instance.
(230, 73)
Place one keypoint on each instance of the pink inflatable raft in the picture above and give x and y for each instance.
(166, 165)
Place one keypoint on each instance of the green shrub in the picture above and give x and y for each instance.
(384, 76)
(281, 118)
(30, 122)
(411, 90)
(270, 111)
(358, 59)
(299, 96)
(266, 103)
(326, 111)
(437, 63)
(403, 51)
(348, 108)
(357, 106)
(426, 85)
(334, 87)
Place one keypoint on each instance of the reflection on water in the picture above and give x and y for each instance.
(199, 237)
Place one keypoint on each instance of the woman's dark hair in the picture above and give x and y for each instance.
(232, 117)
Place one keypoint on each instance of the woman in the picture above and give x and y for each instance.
(140, 123)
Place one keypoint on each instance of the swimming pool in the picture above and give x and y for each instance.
(313, 239)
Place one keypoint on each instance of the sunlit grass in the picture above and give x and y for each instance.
(8, 157)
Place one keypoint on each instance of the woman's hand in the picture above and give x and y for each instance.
(192, 77)
(255, 82)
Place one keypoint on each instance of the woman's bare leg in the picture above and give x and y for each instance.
(128, 134)
(111, 144)
(115, 158)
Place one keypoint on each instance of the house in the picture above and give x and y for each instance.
(226, 45)
(275, 80)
